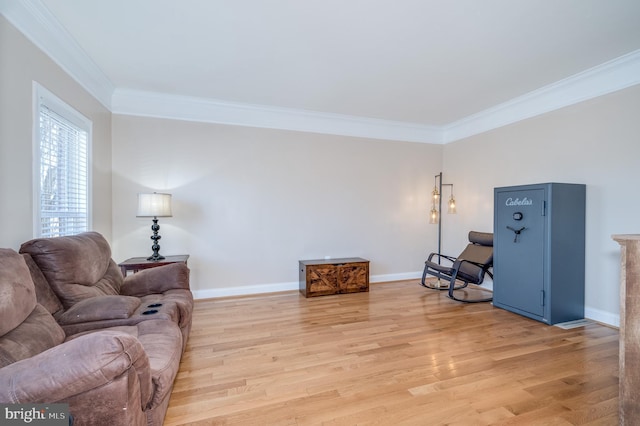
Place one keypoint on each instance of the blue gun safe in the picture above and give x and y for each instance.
(539, 249)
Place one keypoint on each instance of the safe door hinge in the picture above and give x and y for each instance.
(541, 297)
(544, 208)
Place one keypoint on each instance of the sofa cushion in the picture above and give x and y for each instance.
(77, 267)
(173, 276)
(44, 295)
(162, 342)
(26, 328)
(17, 293)
(74, 324)
(180, 301)
(89, 363)
(37, 333)
(100, 309)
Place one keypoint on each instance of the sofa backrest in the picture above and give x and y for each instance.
(26, 328)
(44, 294)
(77, 267)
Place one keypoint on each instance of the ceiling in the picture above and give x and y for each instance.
(426, 62)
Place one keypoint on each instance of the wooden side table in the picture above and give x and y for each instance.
(136, 264)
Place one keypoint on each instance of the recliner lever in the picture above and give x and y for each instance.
(516, 232)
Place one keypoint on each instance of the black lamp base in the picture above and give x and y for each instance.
(155, 237)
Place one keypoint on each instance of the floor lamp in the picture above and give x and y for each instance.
(435, 215)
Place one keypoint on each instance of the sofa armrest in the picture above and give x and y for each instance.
(157, 280)
(99, 308)
(74, 367)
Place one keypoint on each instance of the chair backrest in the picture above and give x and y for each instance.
(479, 250)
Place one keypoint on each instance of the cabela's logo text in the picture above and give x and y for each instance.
(518, 202)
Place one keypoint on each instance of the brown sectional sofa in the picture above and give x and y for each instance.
(74, 330)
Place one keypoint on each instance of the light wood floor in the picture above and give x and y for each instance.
(398, 355)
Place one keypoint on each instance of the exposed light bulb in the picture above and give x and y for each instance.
(433, 216)
(452, 205)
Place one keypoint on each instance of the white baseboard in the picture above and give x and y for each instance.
(287, 286)
(602, 316)
(244, 290)
(590, 313)
(395, 277)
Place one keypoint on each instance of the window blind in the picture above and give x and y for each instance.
(64, 179)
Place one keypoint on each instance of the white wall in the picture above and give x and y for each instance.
(21, 63)
(249, 203)
(597, 143)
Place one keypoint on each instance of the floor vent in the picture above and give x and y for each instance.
(574, 324)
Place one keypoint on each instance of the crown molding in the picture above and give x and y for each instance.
(40, 26)
(150, 104)
(609, 77)
(600, 80)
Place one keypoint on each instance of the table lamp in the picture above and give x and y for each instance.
(154, 205)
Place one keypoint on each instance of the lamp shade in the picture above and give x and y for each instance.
(154, 205)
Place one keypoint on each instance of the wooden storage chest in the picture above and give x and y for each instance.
(321, 277)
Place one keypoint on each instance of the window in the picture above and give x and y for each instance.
(61, 167)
